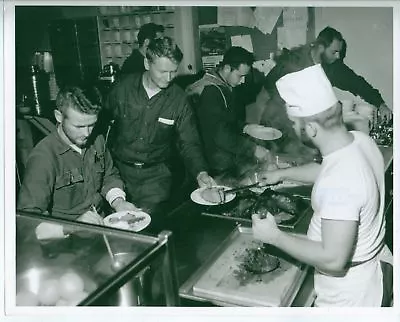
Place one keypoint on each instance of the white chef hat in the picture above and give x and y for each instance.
(306, 92)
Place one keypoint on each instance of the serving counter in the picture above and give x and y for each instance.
(199, 239)
(92, 265)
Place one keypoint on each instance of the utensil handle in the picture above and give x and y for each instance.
(108, 246)
(242, 188)
(105, 237)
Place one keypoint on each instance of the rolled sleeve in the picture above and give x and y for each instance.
(115, 193)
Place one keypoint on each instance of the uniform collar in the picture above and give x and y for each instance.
(58, 143)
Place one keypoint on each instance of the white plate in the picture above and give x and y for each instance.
(123, 224)
(262, 132)
(197, 198)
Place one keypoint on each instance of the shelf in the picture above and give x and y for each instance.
(118, 42)
(135, 13)
(131, 28)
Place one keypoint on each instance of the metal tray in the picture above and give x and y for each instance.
(215, 281)
(303, 192)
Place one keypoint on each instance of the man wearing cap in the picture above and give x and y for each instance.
(345, 238)
(135, 62)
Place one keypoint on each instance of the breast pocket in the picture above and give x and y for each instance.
(163, 131)
(69, 189)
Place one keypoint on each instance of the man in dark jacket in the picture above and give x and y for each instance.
(151, 113)
(135, 62)
(221, 128)
(326, 50)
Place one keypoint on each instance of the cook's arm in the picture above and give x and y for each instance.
(330, 256)
(306, 173)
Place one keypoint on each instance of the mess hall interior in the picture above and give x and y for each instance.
(203, 156)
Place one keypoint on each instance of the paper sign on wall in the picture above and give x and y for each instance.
(226, 16)
(295, 16)
(266, 18)
(235, 16)
(243, 41)
(289, 37)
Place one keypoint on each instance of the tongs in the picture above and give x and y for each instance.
(241, 188)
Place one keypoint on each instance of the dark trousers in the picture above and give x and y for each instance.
(148, 188)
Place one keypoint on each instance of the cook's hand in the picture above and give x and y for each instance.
(91, 217)
(384, 113)
(204, 180)
(265, 229)
(120, 204)
(270, 177)
(261, 153)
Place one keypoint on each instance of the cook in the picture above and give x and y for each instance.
(225, 145)
(326, 50)
(151, 114)
(71, 170)
(345, 238)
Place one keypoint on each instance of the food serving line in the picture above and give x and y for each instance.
(209, 259)
(211, 250)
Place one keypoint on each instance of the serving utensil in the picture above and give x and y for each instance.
(115, 264)
(241, 188)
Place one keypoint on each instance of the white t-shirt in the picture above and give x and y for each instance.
(351, 187)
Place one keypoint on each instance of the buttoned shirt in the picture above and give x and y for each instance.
(64, 182)
(145, 128)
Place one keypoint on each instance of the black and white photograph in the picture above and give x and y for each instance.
(199, 156)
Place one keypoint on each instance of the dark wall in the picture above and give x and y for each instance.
(31, 35)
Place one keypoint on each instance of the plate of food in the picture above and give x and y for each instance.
(128, 220)
(212, 196)
(263, 132)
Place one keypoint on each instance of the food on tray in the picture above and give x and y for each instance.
(283, 216)
(277, 202)
(129, 218)
(283, 206)
(257, 260)
(213, 194)
(70, 284)
(49, 293)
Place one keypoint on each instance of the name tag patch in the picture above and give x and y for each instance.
(166, 121)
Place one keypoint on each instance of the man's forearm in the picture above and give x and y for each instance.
(305, 250)
(306, 173)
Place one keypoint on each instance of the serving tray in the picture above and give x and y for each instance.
(222, 281)
(231, 210)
